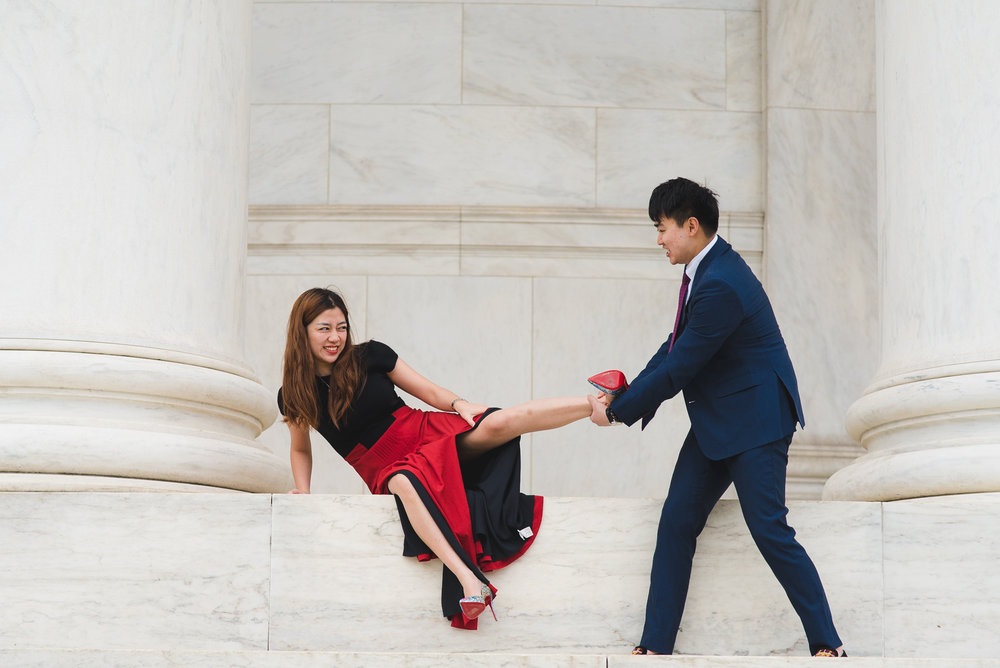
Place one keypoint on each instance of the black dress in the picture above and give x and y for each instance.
(477, 504)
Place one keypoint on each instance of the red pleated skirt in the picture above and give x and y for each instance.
(480, 503)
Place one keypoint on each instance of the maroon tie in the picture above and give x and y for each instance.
(680, 308)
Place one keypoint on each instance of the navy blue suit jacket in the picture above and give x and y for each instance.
(730, 361)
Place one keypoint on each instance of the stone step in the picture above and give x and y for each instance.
(83, 658)
(263, 575)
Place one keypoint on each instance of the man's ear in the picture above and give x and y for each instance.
(692, 226)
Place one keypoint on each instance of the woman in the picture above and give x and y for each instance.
(455, 473)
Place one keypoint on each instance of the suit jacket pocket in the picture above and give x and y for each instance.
(736, 384)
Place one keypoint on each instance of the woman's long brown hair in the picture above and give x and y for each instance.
(298, 379)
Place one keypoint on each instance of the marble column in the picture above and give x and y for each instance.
(930, 419)
(123, 168)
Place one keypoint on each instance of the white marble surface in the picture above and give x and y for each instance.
(743, 61)
(747, 5)
(941, 577)
(125, 147)
(609, 543)
(593, 56)
(820, 54)
(580, 328)
(231, 575)
(822, 272)
(324, 545)
(427, 319)
(156, 571)
(821, 266)
(930, 316)
(108, 201)
(938, 356)
(639, 149)
(158, 659)
(345, 52)
(285, 659)
(718, 622)
(433, 155)
(289, 153)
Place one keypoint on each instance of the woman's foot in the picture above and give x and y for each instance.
(829, 652)
(473, 606)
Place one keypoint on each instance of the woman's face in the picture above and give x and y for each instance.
(327, 337)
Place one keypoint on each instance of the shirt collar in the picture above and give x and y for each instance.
(692, 266)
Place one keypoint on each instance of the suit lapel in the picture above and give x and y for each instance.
(720, 247)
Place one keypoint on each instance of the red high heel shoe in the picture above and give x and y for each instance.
(473, 606)
(610, 382)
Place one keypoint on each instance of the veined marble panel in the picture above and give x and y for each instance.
(639, 149)
(821, 54)
(581, 327)
(602, 56)
(822, 272)
(180, 571)
(743, 61)
(289, 154)
(348, 52)
(431, 155)
(941, 576)
(471, 334)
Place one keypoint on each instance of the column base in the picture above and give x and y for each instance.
(969, 469)
(931, 432)
(38, 482)
(90, 421)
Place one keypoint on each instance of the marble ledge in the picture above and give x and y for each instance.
(472, 240)
(437, 225)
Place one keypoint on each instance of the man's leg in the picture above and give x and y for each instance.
(696, 486)
(759, 477)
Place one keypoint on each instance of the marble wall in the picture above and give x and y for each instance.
(474, 177)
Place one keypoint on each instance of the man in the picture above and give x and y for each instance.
(727, 355)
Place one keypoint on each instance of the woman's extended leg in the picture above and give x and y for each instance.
(429, 532)
(538, 415)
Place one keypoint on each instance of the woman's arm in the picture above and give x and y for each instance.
(411, 382)
(301, 458)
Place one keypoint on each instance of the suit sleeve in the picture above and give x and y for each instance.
(655, 360)
(715, 313)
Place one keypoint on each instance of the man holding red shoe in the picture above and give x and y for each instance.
(726, 354)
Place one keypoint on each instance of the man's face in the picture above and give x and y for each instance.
(679, 241)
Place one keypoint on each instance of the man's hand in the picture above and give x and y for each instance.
(598, 412)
